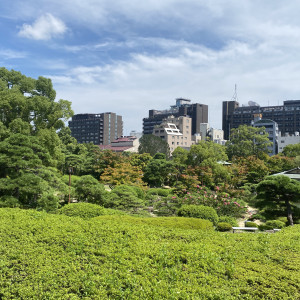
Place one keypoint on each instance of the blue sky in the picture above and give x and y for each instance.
(131, 56)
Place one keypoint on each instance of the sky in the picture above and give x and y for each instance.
(130, 56)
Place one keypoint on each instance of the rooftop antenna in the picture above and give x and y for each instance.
(235, 97)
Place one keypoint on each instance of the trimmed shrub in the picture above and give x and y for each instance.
(275, 224)
(158, 192)
(227, 219)
(223, 226)
(251, 224)
(199, 211)
(82, 210)
(167, 222)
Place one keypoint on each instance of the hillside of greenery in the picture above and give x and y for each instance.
(54, 256)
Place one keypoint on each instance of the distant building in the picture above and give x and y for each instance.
(212, 134)
(136, 134)
(271, 128)
(287, 116)
(176, 132)
(123, 144)
(287, 139)
(197, 112)
(99, 129)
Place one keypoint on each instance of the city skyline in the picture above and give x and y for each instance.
(129, 57)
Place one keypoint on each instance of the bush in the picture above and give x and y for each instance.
(9, 201)
(251, 224)
(275, 224)
(82, 210)
(124, 197)
(223, 226)
(89, 189)
(168, 222)
(199, 211)
(158, 192)
(226, 219)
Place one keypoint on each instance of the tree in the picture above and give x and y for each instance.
(246, 141)
(203, 151)
(26, 173)
(88, 189)
(123, 173)
(291, 150)
(280, 189)
(152, 144)
(160, 172)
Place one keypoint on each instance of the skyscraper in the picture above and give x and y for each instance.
(99, 129)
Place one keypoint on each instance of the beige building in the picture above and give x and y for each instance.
(177, 132)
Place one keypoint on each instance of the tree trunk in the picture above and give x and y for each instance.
(289, 212)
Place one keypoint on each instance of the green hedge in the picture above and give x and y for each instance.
(86, 210)
(222, 226)
(48, 256)
(199, 211)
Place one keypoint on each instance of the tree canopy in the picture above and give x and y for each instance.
(246, 141)
(280, 189)
(152, 144)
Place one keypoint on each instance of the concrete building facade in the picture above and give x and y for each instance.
(196, 111)
(99, 129)
(177, 132)
(287, 116)
(287, 139)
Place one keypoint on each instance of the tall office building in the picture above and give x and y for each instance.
(287, 116)
(99, 129)
(184, 107)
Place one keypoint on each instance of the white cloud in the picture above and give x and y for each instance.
(45, 27)
(11, 54)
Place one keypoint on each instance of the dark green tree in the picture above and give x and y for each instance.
(280, 189)
(152, 144)
(246, 141)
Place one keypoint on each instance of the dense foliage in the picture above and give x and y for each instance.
(46, 256)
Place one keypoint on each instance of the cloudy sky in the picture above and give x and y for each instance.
(131, 56)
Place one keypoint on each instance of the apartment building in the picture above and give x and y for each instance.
(177, 132)
(183, 107)
(287, 116)
(99, 129)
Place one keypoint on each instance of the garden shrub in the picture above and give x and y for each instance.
(47, 256)
(198, 211)
(124, 197)
(223, 226)
(9, 201)
(82, 210)
(158, 192)
(223, 203)
(251, 224)
(90, 190)
(271, 224)
(227, 219)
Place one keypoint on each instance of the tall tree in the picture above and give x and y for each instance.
(203, 151)
(152, 144)
(246, 141)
